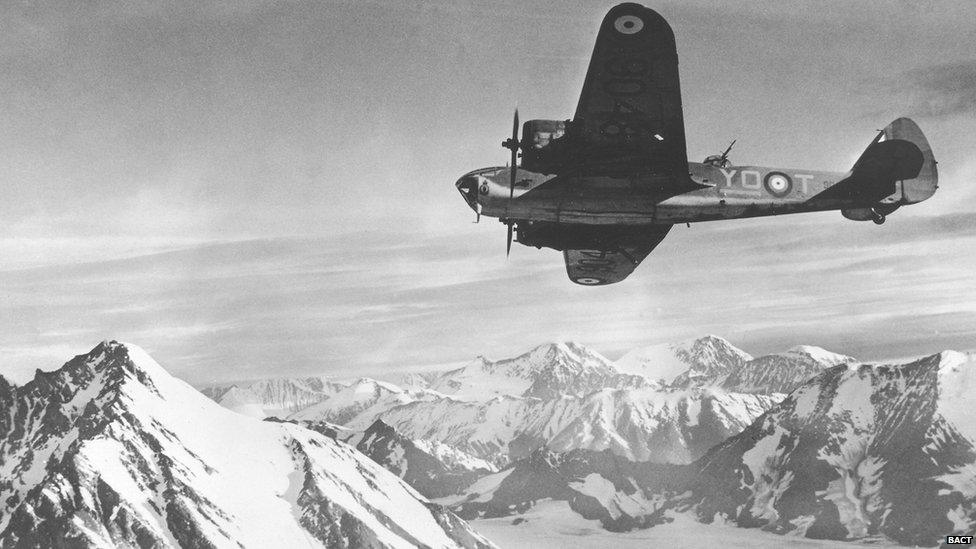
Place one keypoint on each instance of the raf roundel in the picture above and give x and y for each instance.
(778, 184)
(628, 24)
(589, 281)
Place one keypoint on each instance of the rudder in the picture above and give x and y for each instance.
(926, 182)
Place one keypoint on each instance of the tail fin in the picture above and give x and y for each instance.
(923, 185)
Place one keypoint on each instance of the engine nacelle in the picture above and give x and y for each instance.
(879, 211)
(543, 148)
(859, 214)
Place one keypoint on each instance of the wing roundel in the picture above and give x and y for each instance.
(629, 113)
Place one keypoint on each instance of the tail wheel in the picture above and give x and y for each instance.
(878, 218)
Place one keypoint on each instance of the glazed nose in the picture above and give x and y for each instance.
(468, 186)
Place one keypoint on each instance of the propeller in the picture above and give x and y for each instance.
(513, 145)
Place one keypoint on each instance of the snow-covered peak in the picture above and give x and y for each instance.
(112, 451)
(110, 362)
(370, 385)
(818, 354)
(552, 355)
(569, 351)
(546, 370)
(678, 362)
(351, 400)
(954, 360)
(957, 391)
(713, 361)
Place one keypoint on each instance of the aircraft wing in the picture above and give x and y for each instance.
(613, 260)
(629, 118)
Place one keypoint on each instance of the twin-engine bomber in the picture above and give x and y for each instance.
(606, 187)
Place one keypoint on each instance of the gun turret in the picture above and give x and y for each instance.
(720, 160)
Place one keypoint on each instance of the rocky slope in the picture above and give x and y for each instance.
(112, 451)
(882, 453)
(622, 494)
(781, 372)
(432, 468)
(858, 451)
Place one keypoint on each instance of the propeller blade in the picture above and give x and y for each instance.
(511, 183)
(508, 244)
(515, 145)
(515, 126)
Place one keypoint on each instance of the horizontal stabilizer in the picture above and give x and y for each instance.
(896, 168)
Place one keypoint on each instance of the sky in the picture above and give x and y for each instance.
(265, 188)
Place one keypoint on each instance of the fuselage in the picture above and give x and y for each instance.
(726, 193)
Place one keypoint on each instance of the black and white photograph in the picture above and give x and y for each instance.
(487, 274)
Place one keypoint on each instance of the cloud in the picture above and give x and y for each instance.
(146, 142)
(20, 362)
(940, 91)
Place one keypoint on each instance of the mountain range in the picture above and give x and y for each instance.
(564, 396)
(805, 442)
(110, 450)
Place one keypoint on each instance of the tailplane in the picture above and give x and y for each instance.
(896, 169)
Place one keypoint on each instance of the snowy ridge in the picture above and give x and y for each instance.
(544, 372)
(641, 424)
(559, 396)
(452, 457)
(358, 405)
(112, 451)
(275, 397)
